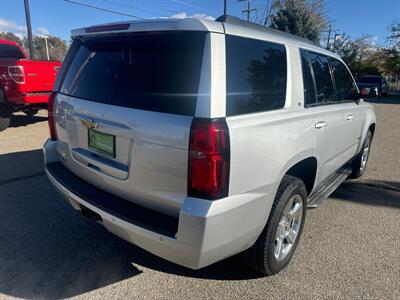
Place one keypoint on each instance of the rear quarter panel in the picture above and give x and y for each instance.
(264, 146)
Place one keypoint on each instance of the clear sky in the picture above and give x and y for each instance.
(57, 17)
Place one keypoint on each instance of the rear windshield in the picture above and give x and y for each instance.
(10, 51)
(151, 71)
(370, 80)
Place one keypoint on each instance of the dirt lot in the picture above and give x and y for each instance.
(350, 247)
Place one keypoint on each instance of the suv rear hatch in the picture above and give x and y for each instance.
(123, 112)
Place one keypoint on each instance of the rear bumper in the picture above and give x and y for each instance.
(205, 232)
(17, 98)
(369, 92)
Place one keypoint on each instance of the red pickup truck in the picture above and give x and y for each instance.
(25, 85)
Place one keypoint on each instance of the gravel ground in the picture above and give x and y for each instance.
(349, 248)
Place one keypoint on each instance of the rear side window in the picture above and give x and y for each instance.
(322, 77)
(345, 85)
(10, 51)
(256, 76)
(308, 81)
(150, 71)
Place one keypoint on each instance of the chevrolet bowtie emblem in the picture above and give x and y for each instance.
(90, 123)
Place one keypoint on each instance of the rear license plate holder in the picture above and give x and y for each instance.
(101, 142)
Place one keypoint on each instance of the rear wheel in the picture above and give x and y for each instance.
(276, 244)
(4, 122)
(5, 113)
(30, 112)
(359, 164)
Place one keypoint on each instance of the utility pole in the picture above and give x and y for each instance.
(247, 10)
(29, 28)
(224, 7)
(329, 36)
(330, 33)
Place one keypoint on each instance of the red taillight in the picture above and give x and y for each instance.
(209, 154)
(110, 27)
(17, 74)
(50, 110)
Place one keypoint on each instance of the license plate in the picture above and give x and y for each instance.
(102, 142)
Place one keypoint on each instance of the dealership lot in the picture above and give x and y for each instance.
(349, 249)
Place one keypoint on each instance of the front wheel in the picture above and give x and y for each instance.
(277, 242)
(359, 164)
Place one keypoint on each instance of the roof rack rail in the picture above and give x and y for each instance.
(237, 21)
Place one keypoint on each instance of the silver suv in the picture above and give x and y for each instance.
(198, 140)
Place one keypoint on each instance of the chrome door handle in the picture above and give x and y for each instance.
(349, 117)
(320, 124)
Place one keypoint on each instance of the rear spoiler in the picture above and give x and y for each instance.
(189, 24)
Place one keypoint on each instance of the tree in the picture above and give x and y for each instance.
(390, 63)
(304, 18)
(264, 10)
(11, 37)
(360, 55)
(391, 55)
(395, 34)
(57, 47)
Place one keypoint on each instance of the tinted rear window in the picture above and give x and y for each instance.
(323, 79)
(151, 71)
(370, 80)
(10, 51)
(255, 75)
(308, 81)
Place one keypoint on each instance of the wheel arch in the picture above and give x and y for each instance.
(303, 166)
(371, 127)
(306, 170)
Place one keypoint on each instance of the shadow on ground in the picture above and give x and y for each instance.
(17, 165)
(23, 120)
(370, 192)
(48, 250)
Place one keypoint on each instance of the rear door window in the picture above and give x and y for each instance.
(323, 78)
(256, 75)
(345, 85)
(10, 51)
(150, 71)
(308, 81)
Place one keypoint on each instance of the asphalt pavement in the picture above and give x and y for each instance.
(350, 247)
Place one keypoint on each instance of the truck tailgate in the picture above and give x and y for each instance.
(39, 75)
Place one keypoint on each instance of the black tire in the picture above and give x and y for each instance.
(262, 253)
(5, 113)
(358, 167)
(30, 112)
(4, 122)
